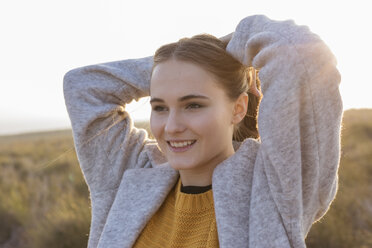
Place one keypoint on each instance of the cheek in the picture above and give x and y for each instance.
(155, 126)
(213, 124)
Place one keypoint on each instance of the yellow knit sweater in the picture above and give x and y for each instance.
(184, 220)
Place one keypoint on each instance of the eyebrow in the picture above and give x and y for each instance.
(181, 99)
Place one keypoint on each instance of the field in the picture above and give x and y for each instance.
(44, 201)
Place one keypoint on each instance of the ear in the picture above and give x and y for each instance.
(240, 108)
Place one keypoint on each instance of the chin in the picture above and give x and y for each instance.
(181, 166)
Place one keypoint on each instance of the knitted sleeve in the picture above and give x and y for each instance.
(299, 123)
(106, 141)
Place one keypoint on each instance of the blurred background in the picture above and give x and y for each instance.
(43, 197)
(41, 40)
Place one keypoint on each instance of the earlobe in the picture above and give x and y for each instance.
(240, 108)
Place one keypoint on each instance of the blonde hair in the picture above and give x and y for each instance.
(210, 53)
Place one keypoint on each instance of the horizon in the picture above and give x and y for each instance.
(43, 40)
(52, 127)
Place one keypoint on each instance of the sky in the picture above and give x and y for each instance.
(43, 39)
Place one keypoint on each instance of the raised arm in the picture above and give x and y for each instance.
(106, 141)
(299, 124)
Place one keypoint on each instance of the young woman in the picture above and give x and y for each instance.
(207, 180)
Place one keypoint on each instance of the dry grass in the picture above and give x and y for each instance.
(45, 201)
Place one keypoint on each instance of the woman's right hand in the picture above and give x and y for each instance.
(227, 38)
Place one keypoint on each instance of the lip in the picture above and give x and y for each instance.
(180, 149)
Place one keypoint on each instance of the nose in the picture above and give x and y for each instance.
(174, 123)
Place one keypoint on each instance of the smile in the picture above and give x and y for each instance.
(181, 146)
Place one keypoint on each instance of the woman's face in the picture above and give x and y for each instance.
(191, 116)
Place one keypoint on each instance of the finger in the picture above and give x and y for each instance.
(252, 75)
(227, 38)
(253, 82)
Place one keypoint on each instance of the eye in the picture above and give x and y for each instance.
(159, 108)
(194, 106)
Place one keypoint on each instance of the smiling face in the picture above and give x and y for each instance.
(191, 118)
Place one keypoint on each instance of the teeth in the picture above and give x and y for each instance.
(181, 144)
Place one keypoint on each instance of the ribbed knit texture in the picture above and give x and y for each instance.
(184, 220)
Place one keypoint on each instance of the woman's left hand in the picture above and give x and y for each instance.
(253, 76)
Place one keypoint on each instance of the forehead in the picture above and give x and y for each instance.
(177, 78)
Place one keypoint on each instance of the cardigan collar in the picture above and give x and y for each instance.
(140, 194)
(143, 190)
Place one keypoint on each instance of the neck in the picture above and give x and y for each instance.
(202, 176)
(191, 178)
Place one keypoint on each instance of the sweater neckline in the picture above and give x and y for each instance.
(195, 189)
(193, 202)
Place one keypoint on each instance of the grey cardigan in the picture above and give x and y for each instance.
(268, 193)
